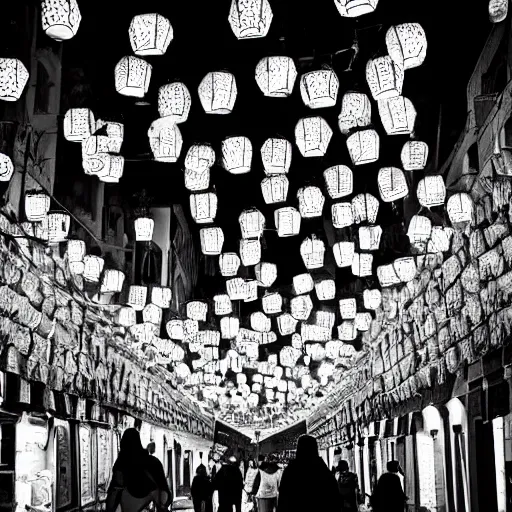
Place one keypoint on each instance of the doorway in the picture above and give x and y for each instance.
(485, 467)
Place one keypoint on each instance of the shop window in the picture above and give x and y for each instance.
(66, 475)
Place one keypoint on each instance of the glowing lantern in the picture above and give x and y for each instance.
(203, 207)
(132, 76)
(275, 189)
(150, 34)
(217, 92)
(200, 157)
(369, 238)
(112, 281)
(13, 78)
(303, 283)
(126, 316)
(339, 181)
(6, 168)
(365, 208)
(229, 327)
(105, 166)
(407, 44)
(498, 10)
(272, 303)
(319, 89)
(431, 191)
(251, 223)
(356, 111)
(460, 208)
(137, 297)
(93, 267)
(37, 205)
(312, 251)
(236, 288)
(165, 140)
(58, 226)
(174, 101)
(197, 180)
(401, 270)
(440, 239)
(250, 252)
(372, 299)
(311, 202)
(152, 314)
(78, 124)
(223, 305)
(229, 263)
(60, 18)
(325, 289)
(362, 264)
(250, 19)
(276, 76)
(348, 308)
(100, 144)
(312, 136)
(114, 131)
(385, 78)
(355, 8)
(364, 147)
(266, 274)
(287, 221)
(237, 155)
(276, 155)
(398, 115)
(144, 229)
(343, 253)
(342, 215)
(161, 296)
(175, 329)
(414, 155)
(301, 307)
(420, 229)
(197, 310)
(392, 184)
(76, 251)
(212, 240)
(260, 322)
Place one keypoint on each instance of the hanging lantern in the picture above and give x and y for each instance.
(175, 329)
(13, 79)
(250, 19)
(223, 304)
(420, 230)
(144, 229)
(392, 184)
(498, 10)
(460, 208)
(237, 155)
(212, 240)
(266, 274)
(325, 289)
(161, 296)
(93, 267)
(276, 76)
(348, 309)
(250, 252)
(311, 202)
(272, 303)
(132, 76)
(407, 45)
(105, 166)
(197, 310)
(150, 34)
(229, 327)
(312, 136)
(203, 207)
(195, 181)
(369, 238)
(236, 288)
(343, 253)
(229, 263)
(100, 144)
(152, 314)
(60, 18)
(440, 239)
(275, 189)
(312, 251)
(342, 215)
(287, 221)
(385, 78)
(364, 147)
(200, 157)
(76, 251)
(339, 181)
(126, 316)
(303, 283)
(174, 101)
(58, 226)
(78, 124)
(372, 299)
(37, 205)
(6, 168)
(402, 270)
(301, 307)
(319, 89)
(398, 115)
(431, 191)
(362, 264)
(137, 297)
(251, 223)
(356, 112)
(414, 155)
(115, 131)
(165, 140)
(365, 208)
(260, 322)
(112, 281)
(276, 155)
(355, 8)
(217, 92)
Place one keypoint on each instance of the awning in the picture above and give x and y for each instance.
(192, 442)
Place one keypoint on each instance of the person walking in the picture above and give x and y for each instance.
(348, 487)
(202, 491)
(307, 483)
(388, 495)
(229, 484)
(393, 466)
(138, 478)
(267, 486)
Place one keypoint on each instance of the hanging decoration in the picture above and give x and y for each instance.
(398, 115)
(175, 329)
(342, 215)
(229, 327)
(431, 191)
(161, 296)
(385, 78)
(236, 289)
(126, 316)
(76, 252)
(78, 124)
(319, 89)
(6, 168)
(200, 157)
(364, 147)
(369, 238)
(325, 289)
(137, 297)
(132, 76)
(165, 140)
(312, 251)
(58, 227)
(100, 144)
(407, 45)
(195, 181)
(419, 232)
(93, 267)
(60, 18)
(312, 136)
(222, 304)
(401, 270)
(13, 79)
(460, 208)
(203, 207)
(114, 131)
(311, 202)
(301, 307)
(276, 155)
(252, 223)
(355, 8)
(152, 314)
(365, 208)
(275, 189)
(440, 239)
(237, 155)
(250, 19)
(260, 322)
(276, 76)
(217, 92)
(266, 273)
(229, 263)
(250, 252)
(372, 299)
(343, 253)
(338, 181)
(498, 10)
(392, 184)
(356, 112)
(150, 34)
(414, 155)
(212, 240)
(144, 229)
(174, 101)
(287, 221)
(112, 281)
(272, 303)
(108, 168)
(197, 310)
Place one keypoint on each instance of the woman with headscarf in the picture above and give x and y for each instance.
(202, 490)
(307, 483)
(138, 478)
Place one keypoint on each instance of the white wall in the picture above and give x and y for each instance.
(162, 218)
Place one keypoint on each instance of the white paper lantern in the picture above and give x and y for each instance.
(355, 8)
(60, 18)
(144, 229)
(431, 191)
(414, 155)
(312, 136)
(369, 238)
(272, 303)
(37, 204)
(338, 181)
(13, 78)
(217, 92)
(372, 299)
(152, 314)
(196, 181)
(203, 207)
(76, 251)
(498, 10)
(325, 289)
(420, 229)
(237, 155)
(312, 251)
(132, 76)
(161, 296)
(200, 157)
(106, 167)
(440, 239)
(126, 316)
(229, 327)
(401, 270)
(362, 264)
(137, 297)
(348, 308)
(252, 223)
(407, 44)
(223, 304)
(319, 89)
(460, 208)
(197, 310)
(79, 124)
(303, 283)
(398, 115)
(311, 202)
(276, 76)
(392, 184)
(275, 189)
(266, 273)
(6, 168)
(150, 34)
(287, 221)
(364, 147)
(356, 112)
(342, 215)
(58, 227)
(175, 329)
(250, 19)
(100, 144)
(260, 322)
(343, 253)
(229, 263)
(112, 281)
(174, 101)
(276, 155)
(93, 267)
(236, 288)
(114, 131)
(301, 307)
(385, 78)
(212, 240)
(165, 140)
(365, 208)
(250, 252)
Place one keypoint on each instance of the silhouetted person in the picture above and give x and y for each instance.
(267, 486)
(348, 486)
(138, 478)
(307, 483)
(388, 495)
(202, 490)
(229, 483)
(393, 466)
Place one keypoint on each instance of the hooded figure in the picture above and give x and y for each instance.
(229, 483)
(388, 495)
(307, 483)
(267, 486)
(348, 486)
(202, 491)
